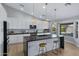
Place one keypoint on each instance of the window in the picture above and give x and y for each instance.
(66, 29)
(54, 28)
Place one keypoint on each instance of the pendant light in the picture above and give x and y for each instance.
(54, 17)
(53, 25)
(56, 26)
(46, 11)
(55, 12)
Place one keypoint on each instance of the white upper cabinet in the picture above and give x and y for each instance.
(42, 24)
(23, 23)
(20, 20)
(19, 23)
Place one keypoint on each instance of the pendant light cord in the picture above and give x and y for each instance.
(46, 10)
(55, 12)
(33, 9)
(33, 15)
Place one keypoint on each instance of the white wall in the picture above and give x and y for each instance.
(3, 16)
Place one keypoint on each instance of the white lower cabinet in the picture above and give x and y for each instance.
(49, 45)
(33, 46)
(17, 38)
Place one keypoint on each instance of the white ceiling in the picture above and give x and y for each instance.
(62, 11)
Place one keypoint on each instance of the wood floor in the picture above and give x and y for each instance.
(69, 50)
(15, 49)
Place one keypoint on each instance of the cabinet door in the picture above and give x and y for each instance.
(33, 48)
(15, 38)
(11, 39)
(49, 45)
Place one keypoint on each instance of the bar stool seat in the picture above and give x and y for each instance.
(42, 45)
(42, 48)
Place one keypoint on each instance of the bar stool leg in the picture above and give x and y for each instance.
(39, 52)
(42, 48)
(42, 51)
(55, 47)
(46, 51)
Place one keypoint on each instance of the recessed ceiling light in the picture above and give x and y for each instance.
(44, 7)
(22, 9)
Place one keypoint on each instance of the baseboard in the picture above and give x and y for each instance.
(71, 43)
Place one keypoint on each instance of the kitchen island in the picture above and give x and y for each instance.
(31, 46)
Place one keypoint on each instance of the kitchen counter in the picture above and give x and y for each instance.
(16, 38)
(37, 38)
(29, 33)
(31, 46)
(18, 33)
(42, 36)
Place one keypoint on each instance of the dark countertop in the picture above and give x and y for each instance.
(27, 33)
(29, 40)
(41, 38)
(17, 33)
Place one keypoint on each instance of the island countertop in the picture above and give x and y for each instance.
(31, 46)
(41, 37)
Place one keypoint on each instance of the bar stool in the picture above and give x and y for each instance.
(55, 45)
(42, 48)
